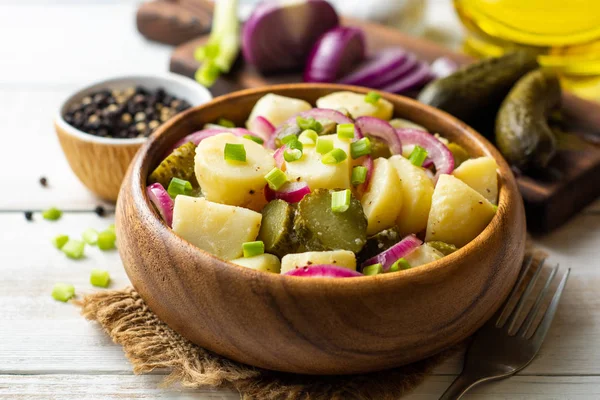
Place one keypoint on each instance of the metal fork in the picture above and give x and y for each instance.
(504, 345)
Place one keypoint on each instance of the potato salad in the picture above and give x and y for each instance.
(342, 189)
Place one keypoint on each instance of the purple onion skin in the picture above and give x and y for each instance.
(279, 38)
(419, 76)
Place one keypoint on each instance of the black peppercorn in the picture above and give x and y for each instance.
(43, 181)
(100, 211)
(29, 215)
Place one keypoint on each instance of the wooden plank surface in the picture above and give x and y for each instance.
(47, 351)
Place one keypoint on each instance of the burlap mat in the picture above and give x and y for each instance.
(149, 344)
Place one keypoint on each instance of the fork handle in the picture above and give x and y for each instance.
(459, 387)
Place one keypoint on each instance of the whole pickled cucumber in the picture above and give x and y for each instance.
(318, 228)
(178, 164)
(478, 89)
(378, 243)
(276, 228)
(522, 132)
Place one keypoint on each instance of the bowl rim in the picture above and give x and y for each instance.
(167, 77)
(506, 196)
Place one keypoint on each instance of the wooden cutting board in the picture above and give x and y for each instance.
(571, 181)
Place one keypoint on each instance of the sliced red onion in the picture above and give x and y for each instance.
(442, 67)
(334, 54)
(278, 156)
(417, 77)
(162, 201)
(394, 253)
(436, 150)
(324, 271)
(380, 129)
(427, 163)
(280, 35)
(290, 127)
(292, 192)
(396, 74)
(199, 136)
(381, 63)
(262, 128)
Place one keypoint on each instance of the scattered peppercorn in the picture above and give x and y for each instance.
(125, 114)
(43, 181)
(100, 211)
(29, 215)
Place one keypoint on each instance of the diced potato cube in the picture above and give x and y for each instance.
(424, 254)
(277, 109)
(317, 175)
(382, 201)
(356, 105)
(341, 258)
(264, 262)
(216, 228)
(235, 183)
(480, 173)
(417, 189)
(458, 213)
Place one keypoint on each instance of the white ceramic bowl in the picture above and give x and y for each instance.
(100, 163)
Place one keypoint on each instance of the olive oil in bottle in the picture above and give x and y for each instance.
(565, 34)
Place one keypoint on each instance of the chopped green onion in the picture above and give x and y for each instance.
(276, 178)
(324, 145)
(417, 156)
(288, 138)
(207, 74)
(59, 241)
(291, 155)
(308, 137)
(335, 156)
(361, 147)
(252, 249)
(52, 214)
(235, 152)
(206, 52)
(295, 144)
(359, 175)
(309, 123)
(74, 249)
(373, 269)
(400, 264)
(179, 186)
(255, 139)
(99, 278)
(372, 97)
(90, 236)
(340, 201)
(345, 131)
(225, 122)
(63, 292)
(106, 240)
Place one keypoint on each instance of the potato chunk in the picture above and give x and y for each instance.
(480, 173)
(277, 109)
(424, 254)
(458, 213)
(235, 183)
(264, 262)
(382, 201)
(216, 228)
(317, 175)
(356, 105)
(417, 189)
(342, 258)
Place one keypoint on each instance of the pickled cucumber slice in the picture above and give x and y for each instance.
(379, 148)
(459, 153)
(318, 228)
(443, 247)
(178, 164)
(276, 228)
(378, 243)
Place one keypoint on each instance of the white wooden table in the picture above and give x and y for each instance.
(47, 351)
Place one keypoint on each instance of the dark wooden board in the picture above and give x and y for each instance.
(571, 181)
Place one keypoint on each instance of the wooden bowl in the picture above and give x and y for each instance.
(101, 163)
(309, 325)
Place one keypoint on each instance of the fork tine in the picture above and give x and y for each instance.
(525, 295)
(538, 303)
(544, 326)
(499, 321)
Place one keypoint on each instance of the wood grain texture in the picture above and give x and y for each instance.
(316, 326)
(104, 176)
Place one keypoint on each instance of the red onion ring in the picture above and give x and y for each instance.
(162, 201)
(324, 271)
(394, 253)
